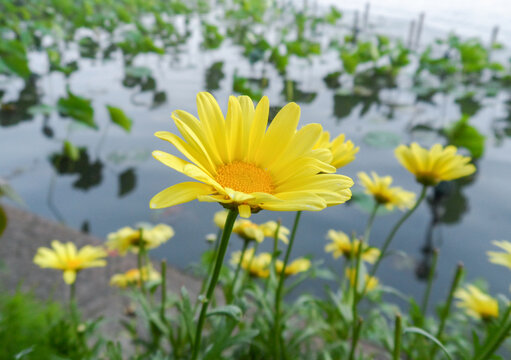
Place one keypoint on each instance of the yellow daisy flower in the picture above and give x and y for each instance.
(67, 258)
(258, 266)
(434, 165)
(384, 194)
(128, 238)
(343, 152)
(241, 164)
(132, 277)
(476, 303)
(370, 282)
(341, 245)
(293, 268)
(501, 258)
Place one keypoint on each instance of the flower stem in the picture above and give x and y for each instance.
(280, 287)
(431, 276)
(396, 228)
(140, 259)
(354, 339)
(447, 307)
(163, 289)
(238, 267)
(396, 354)
(226, 234)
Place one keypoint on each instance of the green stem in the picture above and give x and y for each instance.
(280, 287)
(395, 229)
(273, 264)
(431, 276)
(369, 225)
(494, 342)
(238, 267)
(226, 234)
(360, 250)
(163, 289)
(140, 259)
(210, 267)
(396, 354)
(447, 307)
(354, 339)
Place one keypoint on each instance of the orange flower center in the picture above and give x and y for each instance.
(245, 177)
(73, 264)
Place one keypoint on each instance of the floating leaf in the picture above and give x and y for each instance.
(119, 117)
(461, 134)
(71, 151)
(127, 182)
(382, 139)
(13, 56)
(77, 108)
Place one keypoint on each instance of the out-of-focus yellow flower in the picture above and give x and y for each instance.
(293, 268)
(242, 163)
(128, 238)
(67, 258)
(258, 266)
(248, 230)
(342, 152)
(270, 227)
(341, 245)
(501, 258)
(369, 282)
(384, 194)
(133, 277)
(476, 303)
(434, 165)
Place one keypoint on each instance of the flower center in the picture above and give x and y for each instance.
(73, 264)
(245, 177)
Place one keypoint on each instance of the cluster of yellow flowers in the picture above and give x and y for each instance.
(70, 261)
(259, 265)
(247, 165)
(477, 303)
(250, 231)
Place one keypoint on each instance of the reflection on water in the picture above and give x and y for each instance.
(100, 180)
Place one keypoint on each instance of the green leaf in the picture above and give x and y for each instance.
(71, 151)
(382, 139)
(461, 134)
(13, 56)
(7, 191)
(3, 220)
(127, 182)
(427, 335)
(77, 108)
(231, 311)
(119, 117)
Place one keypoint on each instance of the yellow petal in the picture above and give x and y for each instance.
(178, 194)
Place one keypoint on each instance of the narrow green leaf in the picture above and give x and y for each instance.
(427, 335)
(231, 311)
(119, 117)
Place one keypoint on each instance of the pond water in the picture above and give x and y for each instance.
(112, 187)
